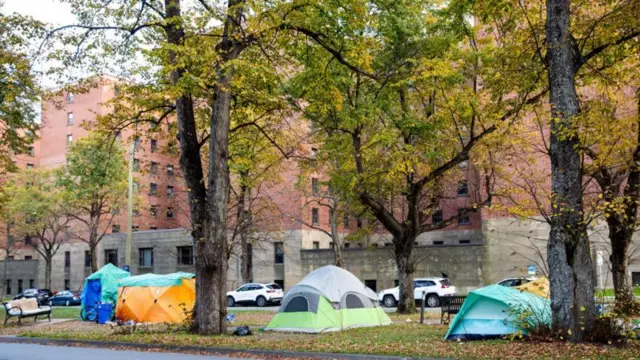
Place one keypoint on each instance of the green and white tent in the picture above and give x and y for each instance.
(328, 299)
(491, 312)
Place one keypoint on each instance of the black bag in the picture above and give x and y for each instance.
(243, 331)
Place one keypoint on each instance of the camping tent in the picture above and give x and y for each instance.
(153, 298)
(102, 285)
(490, 312)
(538, 287)
(328, 299)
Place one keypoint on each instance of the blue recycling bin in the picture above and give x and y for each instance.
(105, 310)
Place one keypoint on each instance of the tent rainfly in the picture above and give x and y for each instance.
(153, 298)
(328, 299)
(490, 312)
(102, 286)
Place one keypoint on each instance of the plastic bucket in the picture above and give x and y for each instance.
(105, 310)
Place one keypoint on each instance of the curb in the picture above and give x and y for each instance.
(202, 350)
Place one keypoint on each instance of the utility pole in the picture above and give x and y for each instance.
(127, 250)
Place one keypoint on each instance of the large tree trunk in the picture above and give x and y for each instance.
(338, 243)
(620, 242)
(244, 226)
(47, 272)
(93, 255)
(568, 252)
(406, 268)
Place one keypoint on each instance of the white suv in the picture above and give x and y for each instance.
(259, 294)
(434, 288)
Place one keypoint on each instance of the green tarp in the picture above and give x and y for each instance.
(102, 285)
(491, 312)
(156, 280)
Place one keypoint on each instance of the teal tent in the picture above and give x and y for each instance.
(491, 312)
(172, 279)
(102, 285)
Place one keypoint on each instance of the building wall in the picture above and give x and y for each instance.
(25, 270)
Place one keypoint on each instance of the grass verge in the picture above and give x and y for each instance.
(609, 292)
(405, 339)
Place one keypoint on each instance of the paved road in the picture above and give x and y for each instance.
(42, 352)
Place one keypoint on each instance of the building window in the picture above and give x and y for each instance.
(316, 245)
(153, 228)
(19, 286)
(185, 255)
(463, 188)
(280, 283)
(438, 242)
(27, 240)
(32, 284)
(8, 287)
(67, 284)
(115, 228)
(436, 218)
(315, 186)
(154, 145)
(315, 216)
(30, 166)
(87, 259)
(153, 189)
(116, 211)
(69, 139)
(278, 252)
(170, 192)
(635, 278)
(69, 98)
(345, 221)
(28, 257)
(387, 244)
(396, 282)
(346, 245)
(359, 223)
(466, 241)
(136, 212)
(463, 217)
(136, 164)
(111, 257)
(136, 187)
(69, 119)
(154, 168)
(136, 141)
(135, 227)
(67, 259)
(371, 284)
(169, 170)
(31, 151)
(169, 213)
(154, 210)
(146, 257)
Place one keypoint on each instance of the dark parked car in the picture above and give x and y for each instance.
(42, 295)
(66, 298)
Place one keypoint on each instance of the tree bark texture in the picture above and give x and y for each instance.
(47, 272)
(93, 245)
(568, 251)
(244, 227)
(338, 243)
(208, 204)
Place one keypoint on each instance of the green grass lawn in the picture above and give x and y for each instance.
(402, 339)
(398, 339)
(609, 292)
(58, 312)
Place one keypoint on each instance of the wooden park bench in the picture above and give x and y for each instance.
(450, 305)
(24, 308)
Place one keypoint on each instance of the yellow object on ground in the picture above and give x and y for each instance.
(538, 287)
(154, 298)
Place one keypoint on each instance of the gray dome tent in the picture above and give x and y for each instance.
(328, 299)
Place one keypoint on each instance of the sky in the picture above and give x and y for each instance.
(50, 11)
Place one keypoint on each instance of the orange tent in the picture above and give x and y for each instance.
(155, 298)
